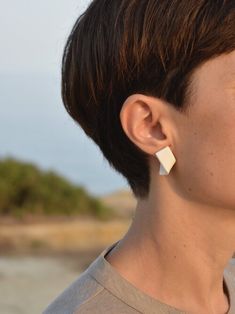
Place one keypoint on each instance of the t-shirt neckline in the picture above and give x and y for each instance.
(115, 283)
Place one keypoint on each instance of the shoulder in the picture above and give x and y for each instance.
(104, 302)
(86, 295)
(84, 288)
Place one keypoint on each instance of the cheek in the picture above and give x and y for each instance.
(205, 169)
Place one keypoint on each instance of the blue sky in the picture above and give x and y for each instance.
(34, 125)
(33, 33)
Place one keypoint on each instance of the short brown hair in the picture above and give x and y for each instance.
(120, 47)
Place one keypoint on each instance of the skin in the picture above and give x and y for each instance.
(183, 235)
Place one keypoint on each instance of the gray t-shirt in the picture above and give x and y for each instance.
(101, 289)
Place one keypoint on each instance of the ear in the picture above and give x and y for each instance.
(146, 121)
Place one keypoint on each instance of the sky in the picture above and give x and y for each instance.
(34, 125)
(33, 33)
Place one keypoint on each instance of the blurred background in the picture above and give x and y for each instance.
(61, 203)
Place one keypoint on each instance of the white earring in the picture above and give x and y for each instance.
(166, 159)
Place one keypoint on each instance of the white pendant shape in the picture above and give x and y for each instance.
(166, 159)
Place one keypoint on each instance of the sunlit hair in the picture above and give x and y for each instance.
(121, 47)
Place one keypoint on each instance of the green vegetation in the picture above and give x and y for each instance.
(27, 190)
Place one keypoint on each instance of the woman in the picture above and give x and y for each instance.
(152, 83)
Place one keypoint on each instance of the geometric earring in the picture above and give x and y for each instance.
(166, 159)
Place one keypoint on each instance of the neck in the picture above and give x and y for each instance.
(190, 244)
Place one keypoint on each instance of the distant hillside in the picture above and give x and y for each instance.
(27, 190)
(122, 202)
